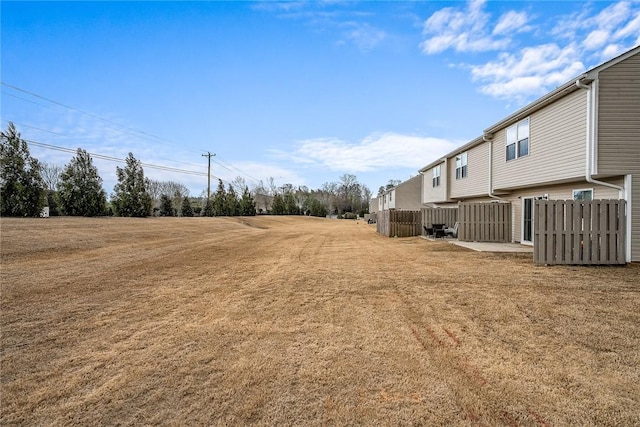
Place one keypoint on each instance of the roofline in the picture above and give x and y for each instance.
(567, 88)
(401, 184)
(536, 105)
(477, 141)
(561, 91)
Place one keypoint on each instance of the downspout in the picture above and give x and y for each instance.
(489, 139)
(591, 144)
(591, 140)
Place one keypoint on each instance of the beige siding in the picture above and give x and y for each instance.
(555, 192)
(431, 194)
(407, 194)
(391, 199)
(477, 181)
(619, 118)
(619, 132)
(557, 138)
(373, 205)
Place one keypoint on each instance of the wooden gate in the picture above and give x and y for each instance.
(393, 223)
(579, 232)
(484, 222)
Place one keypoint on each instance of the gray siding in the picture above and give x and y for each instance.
(557, 138)
(619, 132)
(477, 181)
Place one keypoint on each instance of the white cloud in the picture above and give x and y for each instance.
(381, 150)
(512, 21)
(596, 39)
(632, 28)
(529, 72)
(465, 29)
(586, 35)
(363, 35)
(613, 15)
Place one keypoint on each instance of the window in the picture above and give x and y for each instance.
(583, 194)
(436, 176)
(461, 166)
(518, 140)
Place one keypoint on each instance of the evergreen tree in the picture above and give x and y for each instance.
(247, 204)
(232, 203)
(316, 208)
(290, 205)
(130, 196)
(278, 207)
(22, 190)
(220, 200)
(166, 206)
(80, 188)
(208, 208)
(186, 210)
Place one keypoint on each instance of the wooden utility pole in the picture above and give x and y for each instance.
(209, 155)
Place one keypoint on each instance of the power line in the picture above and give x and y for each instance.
(237, 169)
(70, 137)
(117, 160)
(127, 130)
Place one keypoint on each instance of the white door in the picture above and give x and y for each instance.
(527, 220)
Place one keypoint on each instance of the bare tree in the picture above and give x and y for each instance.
(50, 174)
(175, 191)
(154, 188)
(273, 188)
(259, 189)
(239, 184)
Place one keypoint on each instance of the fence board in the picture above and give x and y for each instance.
(446, 216)
(484, 222)
(395, 223)
(579, 232)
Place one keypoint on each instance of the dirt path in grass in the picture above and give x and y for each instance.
(303, 321)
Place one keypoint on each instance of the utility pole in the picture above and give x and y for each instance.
(209, 155)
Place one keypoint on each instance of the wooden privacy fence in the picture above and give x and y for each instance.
(579, 232)
(393, 223)
(484, 222)
(447, 216)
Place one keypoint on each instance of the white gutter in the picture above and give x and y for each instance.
(592, 136)
(485, 138)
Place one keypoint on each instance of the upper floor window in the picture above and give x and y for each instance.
(583, 194)
(461, 166)
(518, 140)
(436, 176)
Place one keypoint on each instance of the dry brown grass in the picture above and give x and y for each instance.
(302, 321)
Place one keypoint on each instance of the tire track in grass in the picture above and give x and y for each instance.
(475, 388)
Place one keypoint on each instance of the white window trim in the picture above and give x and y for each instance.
(463, 172)
(435, 181)
(518, 139)
(573, 193)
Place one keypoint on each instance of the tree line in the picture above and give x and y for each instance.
(26, 186)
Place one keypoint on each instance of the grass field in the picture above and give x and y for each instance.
(303, 321)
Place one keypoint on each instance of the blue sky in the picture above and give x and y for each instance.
(300, 91)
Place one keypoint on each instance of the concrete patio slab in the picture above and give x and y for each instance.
(493, 247)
